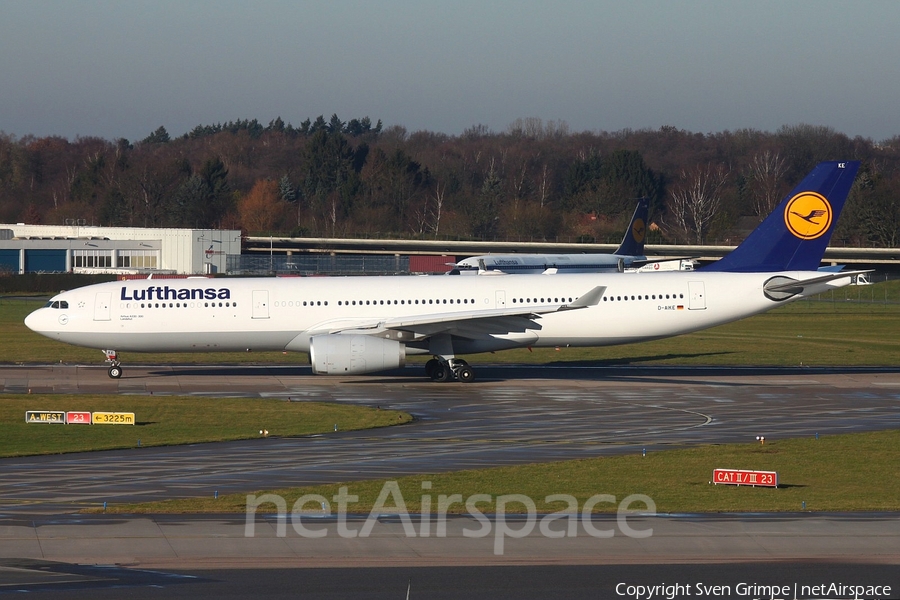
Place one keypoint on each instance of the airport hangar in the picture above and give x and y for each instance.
(115, 250)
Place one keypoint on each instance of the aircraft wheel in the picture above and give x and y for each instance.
(466, 374)
(431, 366)
(441, 373)
(115, 372)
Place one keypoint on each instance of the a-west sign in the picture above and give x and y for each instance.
(741, 477)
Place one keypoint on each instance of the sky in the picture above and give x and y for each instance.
(122, 69)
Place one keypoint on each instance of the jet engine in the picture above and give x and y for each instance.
(343, 354)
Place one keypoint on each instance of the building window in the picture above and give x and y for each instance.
(138, 259)
(92, 258)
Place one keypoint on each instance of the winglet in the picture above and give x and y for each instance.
(633, 242)
(483, 270)
(794, 236)
(592, 298)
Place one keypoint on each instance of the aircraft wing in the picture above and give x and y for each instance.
(471, 324)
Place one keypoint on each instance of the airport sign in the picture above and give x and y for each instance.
(45, 416)
(741, 477)
(113, 418)
(78, 418)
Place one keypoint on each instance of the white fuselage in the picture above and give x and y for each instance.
(283, 313)
(523, 264)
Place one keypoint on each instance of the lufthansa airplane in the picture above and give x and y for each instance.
(367, 324)
(629, 253)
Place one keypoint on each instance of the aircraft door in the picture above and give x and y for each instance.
(696, 295)
(500, 299)
(101, 306)
(260, 304)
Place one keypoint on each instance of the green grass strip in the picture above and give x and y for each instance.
(170, 420)
(851, 472)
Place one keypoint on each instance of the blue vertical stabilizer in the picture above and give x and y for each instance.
(633, 242)
(794, 236)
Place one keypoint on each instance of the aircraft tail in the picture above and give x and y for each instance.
(633, 242)
(794, 236)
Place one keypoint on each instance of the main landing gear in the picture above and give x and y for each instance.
(446, 369)
(115, 368)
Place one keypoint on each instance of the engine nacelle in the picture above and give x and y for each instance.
(343, 354)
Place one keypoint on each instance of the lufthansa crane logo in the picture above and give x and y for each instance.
(808, 215)
(638, 230)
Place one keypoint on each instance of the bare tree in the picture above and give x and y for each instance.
(697, 198)
(520, 188)
(438, 207)
(332, 216)
(764, 173)
(544, 187)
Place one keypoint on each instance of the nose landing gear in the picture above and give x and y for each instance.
(115, 369)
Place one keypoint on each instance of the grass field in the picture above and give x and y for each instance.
(166, 420)
(853, 472)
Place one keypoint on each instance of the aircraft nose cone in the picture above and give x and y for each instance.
(33, 321)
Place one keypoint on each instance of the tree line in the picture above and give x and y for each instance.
(534, 181)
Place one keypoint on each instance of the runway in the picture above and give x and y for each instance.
(511, 415)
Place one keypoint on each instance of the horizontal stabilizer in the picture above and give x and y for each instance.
(780, 288)
(649, 261)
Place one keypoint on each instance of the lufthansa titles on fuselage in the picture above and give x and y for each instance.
(164, 292)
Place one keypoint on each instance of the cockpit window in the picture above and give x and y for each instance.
(62, 304)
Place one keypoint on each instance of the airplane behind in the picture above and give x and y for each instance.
(354, 325)
(629, 253)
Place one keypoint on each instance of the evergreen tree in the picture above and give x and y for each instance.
(485, 212)
(286, 189)
(160, 136)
